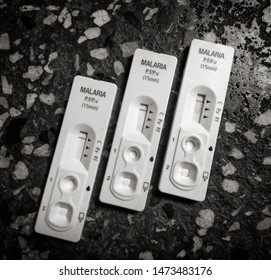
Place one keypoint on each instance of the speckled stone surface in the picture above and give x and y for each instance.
(44, 44)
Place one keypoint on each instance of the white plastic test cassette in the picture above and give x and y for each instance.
(128, 174)
(73, 170)
(192, 141)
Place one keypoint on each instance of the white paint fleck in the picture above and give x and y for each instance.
(60, 111)
(6, 86)
(230, 186)
(50, 19)
(182, 2)
(226, 238)
(30, 99)
(264, 119)
(3, 102)
(206, 218)
(230, 127)
(4, 42)
(209, 248)
(101, 17)
(249, 213)
(3, 119)
(267, 161)
(75, 13)
(181, 254)
(21, 171)
(130, 219)
(228, 169)
(90, 219)
(150, 12)
(234, 226)
(92, 32)
(32, 54)
(13, 58)
(236, 212)
(237, 154)
(128, 48)
(36, 191)
(27, 149)
(210, 37)
(42, 46)
(90, 69)
(267, 211)
(4, 160)
(115, 9)
(158, 229)
(30, 87)
(77, 62)
(197, 244)
(106, 222)
(47, 79)
(81, 39)
(267, 15)
(65, 18)
(42, 151)
(29, 139)
(22, 243)
(52, 57)
(264, 224)
(48, 99)
(29, 8)
(17, 42)
(111, 6)
(33, 73)
(118, 67)
(116, 236)
(18, 190)
(146, 255)
(99, 53)
(52, 8)
(14, 112)
(202, 231)
(251, 136)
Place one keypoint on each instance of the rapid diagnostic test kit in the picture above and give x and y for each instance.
(133, 152)
(188, 160)
(191, 145)
(76, 159)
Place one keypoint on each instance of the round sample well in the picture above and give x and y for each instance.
(132, 154)
(68, 184)
(191, 144)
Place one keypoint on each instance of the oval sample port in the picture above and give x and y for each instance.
(68, 184)
(125, 184)
(191, 143)
(185, 174)
(60, 214)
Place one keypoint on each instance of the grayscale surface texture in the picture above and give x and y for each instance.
(44, 44)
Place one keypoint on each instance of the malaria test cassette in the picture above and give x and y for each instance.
(73, 170)
(193, 136)
(128, 174)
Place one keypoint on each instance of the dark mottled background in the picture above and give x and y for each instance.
(44, 44)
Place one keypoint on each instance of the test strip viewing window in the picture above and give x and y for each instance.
(198, 108)
(128, 173)
(192, 141)
(77, 155)
(143, 109)
(82, 142)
